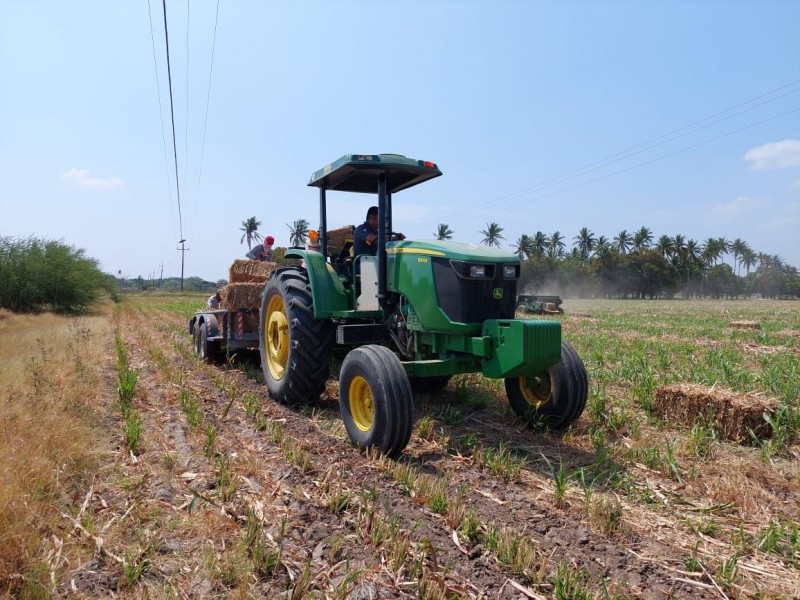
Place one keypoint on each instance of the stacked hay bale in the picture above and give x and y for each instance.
(247, 279)
(733, 415)
(338, 237)
(250, 271)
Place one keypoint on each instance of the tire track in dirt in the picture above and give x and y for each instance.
(560, 537)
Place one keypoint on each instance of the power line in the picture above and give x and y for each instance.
(652, 160)
(186, 127)
(160, 111)
(205, 124)
(172, 113)
(632, 151)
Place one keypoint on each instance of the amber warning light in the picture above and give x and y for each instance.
(429, 164)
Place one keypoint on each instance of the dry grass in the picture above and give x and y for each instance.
(48, 433)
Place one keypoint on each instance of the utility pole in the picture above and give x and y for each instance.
(183, 250)
(161, 277)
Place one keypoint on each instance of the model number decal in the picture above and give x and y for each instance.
(422, 259)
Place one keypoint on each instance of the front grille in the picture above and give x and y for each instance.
(472, 300)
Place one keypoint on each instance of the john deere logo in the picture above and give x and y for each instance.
(497, 293)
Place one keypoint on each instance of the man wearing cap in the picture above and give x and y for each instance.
(262, 252)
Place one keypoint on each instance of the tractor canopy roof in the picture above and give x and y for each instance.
(359, 173)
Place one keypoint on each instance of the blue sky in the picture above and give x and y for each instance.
(546, 116)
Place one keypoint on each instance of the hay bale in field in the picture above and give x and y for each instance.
(250, 271)
(745, 324)
(732, 414)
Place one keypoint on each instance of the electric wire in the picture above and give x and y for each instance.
(172, 113)
(186, 125)
(161, 113)
(624, 154)
(205, 124)
(646, 162)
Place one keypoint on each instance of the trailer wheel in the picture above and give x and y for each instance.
(376, 400)
(196, 337)
(295, 347)
(206, 350)
(556, 396)
(521, 312)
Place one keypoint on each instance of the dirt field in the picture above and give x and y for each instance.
(220, 492)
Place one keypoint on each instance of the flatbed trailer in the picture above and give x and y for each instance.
(218, 331)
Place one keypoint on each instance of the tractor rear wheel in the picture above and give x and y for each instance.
(295, 347)
(376, 400)
(556, 396)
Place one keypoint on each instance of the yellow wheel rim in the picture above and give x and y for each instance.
(362, 405)
(276, 339)
(536, 390)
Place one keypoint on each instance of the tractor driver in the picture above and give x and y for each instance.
(365, 236)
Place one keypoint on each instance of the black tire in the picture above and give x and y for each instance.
(555, 397)
(196, 337)
(207, 350)
(376, 400)
(295, 347)
(429, 385)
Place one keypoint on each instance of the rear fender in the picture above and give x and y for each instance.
(327, 291)
(207, 320)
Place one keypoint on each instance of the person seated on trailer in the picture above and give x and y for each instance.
(262, 252)
(214, 300)
(366, 235)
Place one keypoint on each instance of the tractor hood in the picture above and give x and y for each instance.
(453, 250)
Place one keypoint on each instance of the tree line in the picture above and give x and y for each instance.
(635, 264)
(632, 264)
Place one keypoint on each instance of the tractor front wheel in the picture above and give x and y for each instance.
(295, 347)
(376, 400)
(557, 396)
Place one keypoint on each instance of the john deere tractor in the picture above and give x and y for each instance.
(408, 318)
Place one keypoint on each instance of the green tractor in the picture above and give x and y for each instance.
(409, 318)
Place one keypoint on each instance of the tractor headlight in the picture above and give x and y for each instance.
(509, 271)
(477, 271)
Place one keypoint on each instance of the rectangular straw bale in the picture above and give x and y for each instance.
(745, 324)
(337, 237)
(242, 295)
(730, 413)
(245, 296)
(250, 271)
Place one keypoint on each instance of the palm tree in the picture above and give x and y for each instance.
(665, 246)
(539, 243)
(555, 248)
(738, 247)
(749, 259)
(298, 232)
(642, 239)
(584, 242)
(524, 246)
(250, 228)
(602, 246)
(623, 241)
(443, 232)
(492, 234)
